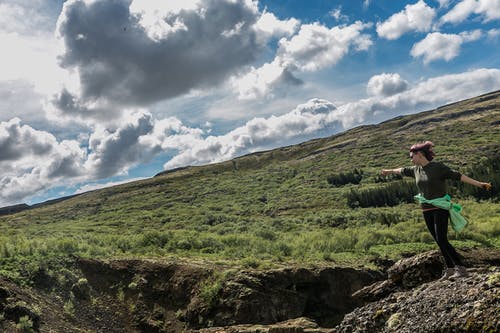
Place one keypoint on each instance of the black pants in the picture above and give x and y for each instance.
(437, 223)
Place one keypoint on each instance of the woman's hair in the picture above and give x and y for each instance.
(425, 148)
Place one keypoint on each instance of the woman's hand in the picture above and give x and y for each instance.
(486, 186)
(385, 172)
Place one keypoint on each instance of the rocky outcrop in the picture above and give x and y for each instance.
(463, 305)
(323, 294)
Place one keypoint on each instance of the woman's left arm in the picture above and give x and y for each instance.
(474, 182)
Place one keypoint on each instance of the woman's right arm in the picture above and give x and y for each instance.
(386, 172)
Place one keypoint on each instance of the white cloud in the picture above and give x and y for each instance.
(160, 18)
(269, 26)
(32, 160)
(386, 84)
(313, 48)
(416, 17)
(320, 115)
(488, 9)
(337, 14)
(437, 45)
(455, 87)
(259, 133)
(316, 47)
(261, 82)
(493, 33)
(136, 140)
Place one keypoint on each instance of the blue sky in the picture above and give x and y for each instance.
(94, 93)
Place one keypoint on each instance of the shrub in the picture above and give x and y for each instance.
(353, 177)
(210, 288)
(392, 194)
(155, 238)
(25, 324)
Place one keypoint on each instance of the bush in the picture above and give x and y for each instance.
(25, 324)
(353, 177)
(210, 288)
(392, 194)
(155, 238)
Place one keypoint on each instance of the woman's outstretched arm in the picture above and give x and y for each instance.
(386, 172)
(474, 182)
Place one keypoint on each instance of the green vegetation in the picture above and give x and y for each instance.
(210, 288)
(353, 177)
(25, 325)
(322, 201)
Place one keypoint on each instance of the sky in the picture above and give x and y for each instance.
(95, 93)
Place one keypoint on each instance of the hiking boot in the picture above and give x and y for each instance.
(447, 273)
(460, 271)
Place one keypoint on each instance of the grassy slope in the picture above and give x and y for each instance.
(267, 207)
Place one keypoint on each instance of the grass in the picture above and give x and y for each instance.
(265, 209)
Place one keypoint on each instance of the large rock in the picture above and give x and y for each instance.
(412, 299)
(410, 272)
(403, 275)
(463, 305)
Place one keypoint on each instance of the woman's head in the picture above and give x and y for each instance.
(425, 148)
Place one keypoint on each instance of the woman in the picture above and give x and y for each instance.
(431, 178)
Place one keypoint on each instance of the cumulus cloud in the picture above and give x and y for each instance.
(416, 17)
(32, 160)
(449, 88)
(488, 9)
(319, 115)
(127, 54)
(264, 81)
(316, 46)
(386, 84)
(137, 140)
(269, 26)
(313, 48)
(435, 92)
(437, 45)
(259, 133)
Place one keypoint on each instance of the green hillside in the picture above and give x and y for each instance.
(310, 203)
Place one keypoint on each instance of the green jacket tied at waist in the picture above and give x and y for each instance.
(458, 222)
